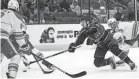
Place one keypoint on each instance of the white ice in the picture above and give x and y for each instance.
(81, 60)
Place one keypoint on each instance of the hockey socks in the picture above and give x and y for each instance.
(123, 56)
(12, 71)
(99, 62)
(130, 63)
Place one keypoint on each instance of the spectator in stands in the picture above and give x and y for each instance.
(65, 6)
(75, 7)
(54, 7)
(48, 17)
(21, 2)
(102, 2)
(34, 16)
(102, 15)
(32, 10)
(44, 9)
(25, 11)
(118, 14)
(43, 3)
(125, 13)
(93, 15)
(131, 15)
(102, 10)
(4, 4)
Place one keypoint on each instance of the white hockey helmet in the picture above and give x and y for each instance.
(13, 4)
(112, 23)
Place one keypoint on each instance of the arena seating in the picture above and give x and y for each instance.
(66, 17)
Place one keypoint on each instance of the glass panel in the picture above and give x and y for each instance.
(59, 11)
(70, 11)
(123, 10)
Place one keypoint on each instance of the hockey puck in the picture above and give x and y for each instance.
(24, 70)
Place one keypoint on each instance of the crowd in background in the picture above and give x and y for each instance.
(55, 11)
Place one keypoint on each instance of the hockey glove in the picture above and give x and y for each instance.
(25, 49)
(71, 47)
(40, 55)
(89, 41)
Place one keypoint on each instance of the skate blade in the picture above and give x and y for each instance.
(48, 71)
(135, 69)
(120, 65)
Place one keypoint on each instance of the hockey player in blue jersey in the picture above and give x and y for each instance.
(104, 41)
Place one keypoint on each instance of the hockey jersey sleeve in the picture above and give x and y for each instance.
(18, 28)
(119, 36)
(84, 34)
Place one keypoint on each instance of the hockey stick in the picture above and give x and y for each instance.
(71, 75)
(45, 72)
(53, 55)
(132, 41)
(48, 57)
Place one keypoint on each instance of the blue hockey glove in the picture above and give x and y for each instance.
(71, 47)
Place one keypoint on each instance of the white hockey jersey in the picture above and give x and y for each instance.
(118, 35)
(12, 24)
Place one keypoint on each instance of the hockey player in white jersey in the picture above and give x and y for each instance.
(26, 62)
(118, 35)
(12, 24)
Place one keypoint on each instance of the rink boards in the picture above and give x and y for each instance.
(64, 34)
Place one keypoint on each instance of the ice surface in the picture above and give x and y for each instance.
(76, 62)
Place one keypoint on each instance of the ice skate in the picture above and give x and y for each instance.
(132, 66)
(112, 62)
(8, 76)
(27, 66)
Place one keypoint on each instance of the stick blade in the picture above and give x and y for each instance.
(48, 72)
(78, 74)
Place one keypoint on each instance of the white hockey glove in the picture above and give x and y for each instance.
(37, 52)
